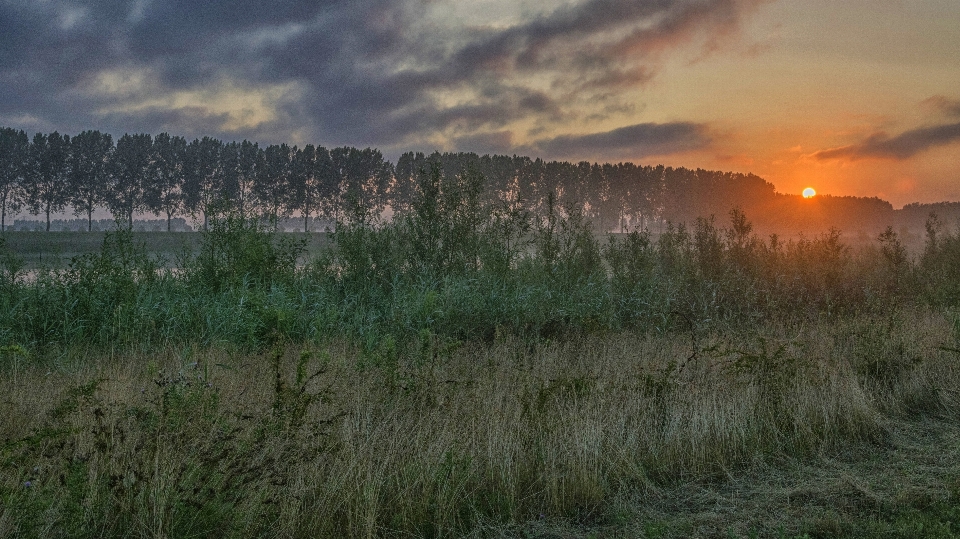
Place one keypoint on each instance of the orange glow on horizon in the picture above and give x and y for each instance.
(809, 192)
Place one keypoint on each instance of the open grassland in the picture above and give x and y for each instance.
(613, 435)
(56, 249)
(472, 371)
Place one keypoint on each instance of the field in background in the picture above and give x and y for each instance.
(55, 249)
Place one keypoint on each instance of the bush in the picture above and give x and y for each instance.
(241, 252)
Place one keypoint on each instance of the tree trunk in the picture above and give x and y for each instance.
(169, 218)
(130, 220)
(48, 217)
(306, 216)
(90, 219)
(3, 217)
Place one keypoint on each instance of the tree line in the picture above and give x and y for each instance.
(168, 176)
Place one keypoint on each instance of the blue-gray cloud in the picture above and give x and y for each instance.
(941, 104)
(369, 72)
(900, 147)
(634, 141)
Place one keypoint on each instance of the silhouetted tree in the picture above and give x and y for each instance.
(164, 186)
(90, 154)
(46, 180)
(406, 174)
(363, 177)
(203, 180)
(132, 162)
(273, 186)
(242, 162)
(313, 183)
(14, 152)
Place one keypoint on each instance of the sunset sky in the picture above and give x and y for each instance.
(859, 97)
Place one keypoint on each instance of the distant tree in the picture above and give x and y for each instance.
(203, 180)
(651, 203)
(242, 162)
(678, 198)
(90, 154)
(596, 189)
(632, 192)
(363, 179)
(164, 186)
(132, 162)
(530, 183)
(406, 175)
(314, 183)
(272, 188)
(499, 172)
(14, 153)
(48, 173)
(557, 178)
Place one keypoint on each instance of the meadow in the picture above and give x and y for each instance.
(55, 250)
(468, 370)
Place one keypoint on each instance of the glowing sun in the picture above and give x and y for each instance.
(809, 192)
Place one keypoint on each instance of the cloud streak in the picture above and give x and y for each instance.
(943, 105)
(900, 147)
(636, 141)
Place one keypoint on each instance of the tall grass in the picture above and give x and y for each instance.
(442, 441)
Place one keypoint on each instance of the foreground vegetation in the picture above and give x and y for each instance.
(302, 441)
(467, 370)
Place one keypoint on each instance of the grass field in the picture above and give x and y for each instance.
(775, 432)
(455, 374)
(56, 249)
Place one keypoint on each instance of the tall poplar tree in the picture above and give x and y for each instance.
(132, 161)
(242, 163)
(313, 183)
(48, 172)
(203, 180)
(272, 188)
(164, 189)
(363, 178)
(14, 152)
(90, 154)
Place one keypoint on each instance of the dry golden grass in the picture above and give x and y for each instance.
(446, 440)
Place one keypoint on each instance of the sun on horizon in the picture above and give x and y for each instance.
(809, 192)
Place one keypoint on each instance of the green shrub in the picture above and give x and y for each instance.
(239, 252)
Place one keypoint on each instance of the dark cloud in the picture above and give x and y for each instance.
(900, 147)
(942, 105)
(372, 72)
(190, 122)
(635, 141)
(493, 143)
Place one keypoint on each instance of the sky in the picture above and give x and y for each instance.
(860, 97)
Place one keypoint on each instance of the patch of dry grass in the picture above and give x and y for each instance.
(444, 440)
